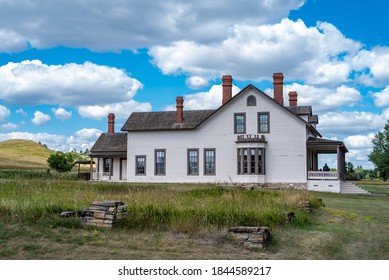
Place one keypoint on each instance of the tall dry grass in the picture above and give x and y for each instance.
(179, 207)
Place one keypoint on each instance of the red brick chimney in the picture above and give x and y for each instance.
(292, 98)
(227, 88)
(278, 82)
(180, 109)
(111, 123)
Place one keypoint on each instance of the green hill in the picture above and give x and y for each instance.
(23, 154)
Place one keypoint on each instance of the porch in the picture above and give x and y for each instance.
(109, 168)
(319, 179)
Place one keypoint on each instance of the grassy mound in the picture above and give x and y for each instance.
(23, 154)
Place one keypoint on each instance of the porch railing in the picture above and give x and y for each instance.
(323, 175)
(100, 176)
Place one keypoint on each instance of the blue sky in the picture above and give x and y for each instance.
(64, 65)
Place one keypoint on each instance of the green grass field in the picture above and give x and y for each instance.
(181, 221)
(375, 187)
(23, 154)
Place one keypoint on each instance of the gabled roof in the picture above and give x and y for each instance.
(149, 121)
(301, 110)
(110, 144)
(165, 120)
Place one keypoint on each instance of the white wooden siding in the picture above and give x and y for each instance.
(285, 148)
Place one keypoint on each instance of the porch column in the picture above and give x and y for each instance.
(341, 164)
(110, 168)
(312, 161)
(91, 168)
(98, 168)
(120, 169)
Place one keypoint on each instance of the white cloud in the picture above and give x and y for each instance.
(35, 83)
(381, 99)
(358, 155)
(21, 112)
(352, 122)
(8, 126)
(11, 41)
(359, 141)
(85, 138)
(315, 54)
(211, 99)
(62, 114)
(40, 118)
(115, 25)
(88, 133)
(4, 113)
(321, 98)
(121, 110)
(196, 82)
(372, 66)
(360, 146)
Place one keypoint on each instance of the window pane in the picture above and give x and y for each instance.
(239, 161)
(193, 160)
(245, 161)
(251, 101)
(106, 165)
(209, 162)
(140, 165)
(240, 123)
(263, 123)
(260, 161)
(160, 162)
(252, 161)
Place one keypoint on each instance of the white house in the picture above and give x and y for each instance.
(251, 138)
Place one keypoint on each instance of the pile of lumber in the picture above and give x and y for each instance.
(251, 237)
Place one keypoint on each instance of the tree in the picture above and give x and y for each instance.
(350, 173)
(360, 173)
(380, 154)
(61, 162)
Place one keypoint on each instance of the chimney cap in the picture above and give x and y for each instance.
(278, 77)
(293, 98)
(293, 93)
(227, 77)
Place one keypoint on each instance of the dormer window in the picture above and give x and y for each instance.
(251, 101)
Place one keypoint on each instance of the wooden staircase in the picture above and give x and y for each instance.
(347, 187)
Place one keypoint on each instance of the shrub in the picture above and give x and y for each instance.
(61, 162)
